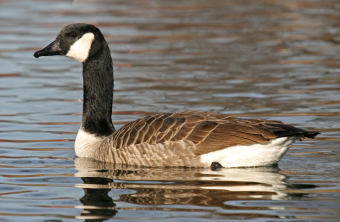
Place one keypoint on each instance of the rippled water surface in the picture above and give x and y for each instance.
(255, 59)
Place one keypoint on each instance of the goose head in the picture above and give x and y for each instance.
(78, 41)
(86, 44)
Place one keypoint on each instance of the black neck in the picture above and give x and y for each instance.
(98, 94)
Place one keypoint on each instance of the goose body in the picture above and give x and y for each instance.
(189, 138)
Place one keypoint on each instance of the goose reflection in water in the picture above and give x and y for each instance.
(179, 186)
(98, 205)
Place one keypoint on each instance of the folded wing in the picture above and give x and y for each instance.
(208, 131)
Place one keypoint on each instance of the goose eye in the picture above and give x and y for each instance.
(73, 34)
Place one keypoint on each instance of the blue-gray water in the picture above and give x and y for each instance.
(255, 59)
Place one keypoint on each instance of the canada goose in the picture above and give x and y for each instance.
(190, 138)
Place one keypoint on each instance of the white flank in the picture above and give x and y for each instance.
(79, 51)
(261, 154)
(86, 144)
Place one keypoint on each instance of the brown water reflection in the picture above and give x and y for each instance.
(172, 189)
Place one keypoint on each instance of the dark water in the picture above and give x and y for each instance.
(256, 59)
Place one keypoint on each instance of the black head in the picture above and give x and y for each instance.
(78, 41)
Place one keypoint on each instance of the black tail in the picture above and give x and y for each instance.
(310, 134)
(283, 130)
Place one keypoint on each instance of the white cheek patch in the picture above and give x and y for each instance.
(79, 51)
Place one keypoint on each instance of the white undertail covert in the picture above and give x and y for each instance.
(260, 154)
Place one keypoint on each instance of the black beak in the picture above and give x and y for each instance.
(51, 49)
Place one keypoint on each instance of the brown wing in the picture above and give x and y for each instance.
(208, 131)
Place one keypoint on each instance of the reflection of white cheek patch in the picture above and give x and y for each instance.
(79, 51)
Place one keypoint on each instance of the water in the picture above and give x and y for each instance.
(255, 59)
